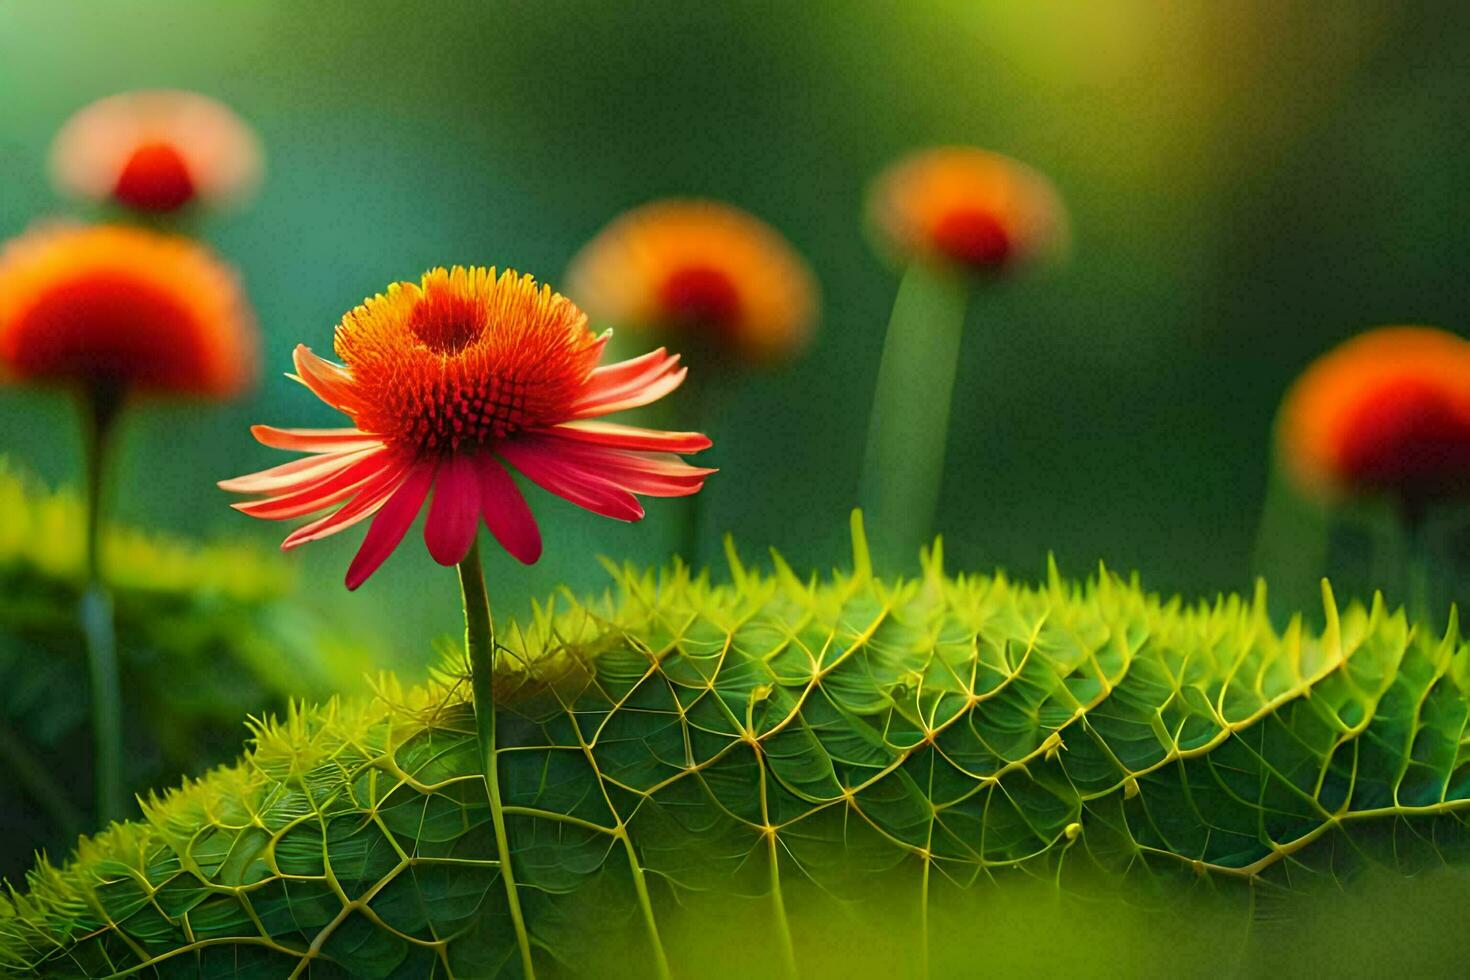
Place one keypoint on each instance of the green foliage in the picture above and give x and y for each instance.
(772, 738)
(204, 635)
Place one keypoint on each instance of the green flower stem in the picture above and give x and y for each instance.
(479, 640)
(101, 406)
(1291, 545)
(904, 461)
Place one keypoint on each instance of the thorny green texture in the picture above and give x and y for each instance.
(759, 737)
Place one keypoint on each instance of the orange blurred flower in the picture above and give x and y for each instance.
(123, 307)
(446, 381)
(701, 271)
(967, 206)
(156, 151)
(1385, 412)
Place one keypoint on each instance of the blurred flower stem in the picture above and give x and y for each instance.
(480, 648)
(904, 461)
(1408, 552)
(1419, 573)
(31, 773)
(1291, 545)
(1401, 542)
(1293, 550)
(101, 404)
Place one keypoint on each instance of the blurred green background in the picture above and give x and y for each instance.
(1249, 182)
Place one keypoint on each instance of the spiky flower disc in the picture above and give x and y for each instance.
(447, 380)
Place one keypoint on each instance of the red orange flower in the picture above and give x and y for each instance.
(702, 271)
(446, 381)
(966, 206)
(1386, 412)
(124, 307)
(156, 151)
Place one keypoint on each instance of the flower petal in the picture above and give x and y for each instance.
(654, 474)
(506, 512)
(313, 440)
(629, 384)
(370, 497)
(454, 514)
(330, 382)
(664, 464)
(391, 523)
(320, 494)
(622, 372)
(294, 475)
(645, 395)
(544, 467)
(631, 437)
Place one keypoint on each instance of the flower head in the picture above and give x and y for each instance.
(1386, 412)
(123, 307)
(700, 271)
(965, 206)
(447, 381)
(156, 151)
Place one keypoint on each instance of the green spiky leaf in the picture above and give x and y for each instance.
(771, 738)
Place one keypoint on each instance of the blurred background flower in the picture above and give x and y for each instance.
(966, 206)
(123, 309)
(715, 283)
(950, 218)
(1373, 454)
(109, 313)
(700, 275)
(156, 151)
(1384, 414)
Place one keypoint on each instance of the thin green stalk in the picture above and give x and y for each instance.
(904, 462)
(98, 630)
(480, 646)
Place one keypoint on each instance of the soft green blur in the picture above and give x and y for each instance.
(1248, 182)
(1376, 925)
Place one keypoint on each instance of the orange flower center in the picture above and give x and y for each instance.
(447, 323)
(464, 359)
(1407, 434)
(700, 294)
(155, 178)
(973, 236)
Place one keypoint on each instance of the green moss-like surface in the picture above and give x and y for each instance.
(205, 631)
